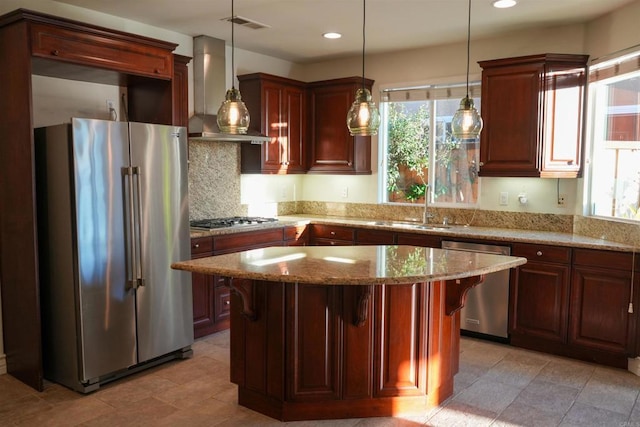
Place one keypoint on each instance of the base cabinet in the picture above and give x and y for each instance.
(578, 309)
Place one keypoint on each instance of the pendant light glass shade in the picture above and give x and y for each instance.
(466, 122)
(233, 116)
(363, 118)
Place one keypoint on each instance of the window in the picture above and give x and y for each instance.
(415, 123)
(614, 108)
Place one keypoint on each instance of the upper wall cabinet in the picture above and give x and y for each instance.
(333, 150)
(277, 107)
(533, 108)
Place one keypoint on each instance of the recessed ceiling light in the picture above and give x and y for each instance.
(332, 35)
(503, 4)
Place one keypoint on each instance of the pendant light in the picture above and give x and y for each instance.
(466, 122)
(233, 116)
(363, 118)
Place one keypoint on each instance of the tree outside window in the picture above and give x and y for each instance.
(420, 150)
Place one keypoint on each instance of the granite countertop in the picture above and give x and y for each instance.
(453, 232)
(350, 265)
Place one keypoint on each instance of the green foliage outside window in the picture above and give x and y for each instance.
(408, 149)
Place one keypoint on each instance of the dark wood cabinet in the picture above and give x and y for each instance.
(601, 293)
(574, 302)
(426, 240)
(296, 235)
(333, 150)
(533, 109)
(39, 44)
(203, 285)
(539, 294)
(331, 235)
(374, 237)
(278, 109)
(180, 87)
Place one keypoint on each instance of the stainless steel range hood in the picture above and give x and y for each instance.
(209, 86)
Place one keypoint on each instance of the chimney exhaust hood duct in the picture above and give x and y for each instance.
(209, 84)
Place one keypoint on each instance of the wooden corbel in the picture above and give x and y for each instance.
(456, 292)
(244, 288)
(362, 305)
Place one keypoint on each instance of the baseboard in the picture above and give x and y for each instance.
(634, 366)
(3, 364)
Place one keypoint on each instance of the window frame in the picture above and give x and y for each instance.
(475, 81)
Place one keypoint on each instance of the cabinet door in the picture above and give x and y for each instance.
(509, 140)
(272, 117)
(333, 149)
(539, 301)
(599, 310)
(292, 135)
(204, 317)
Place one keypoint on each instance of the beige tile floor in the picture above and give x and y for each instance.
(497, 385)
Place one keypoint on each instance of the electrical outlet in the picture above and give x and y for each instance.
(562, 199)
(345, 192)
(111, 105)
(283, 192)
(504, 198)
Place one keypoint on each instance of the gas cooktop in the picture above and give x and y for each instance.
(234, 221)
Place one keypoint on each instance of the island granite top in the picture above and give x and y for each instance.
(350, 265)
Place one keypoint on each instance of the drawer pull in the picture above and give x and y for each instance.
(539, 253)
(227, 302)
(55, 52)
(197, 245)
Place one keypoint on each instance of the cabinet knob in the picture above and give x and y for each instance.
(155, 70)
(539, 253)
(197, 245)
(227, 302)
(55, 52)
(333, 233)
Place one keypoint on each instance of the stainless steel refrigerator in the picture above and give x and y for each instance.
(112, 217)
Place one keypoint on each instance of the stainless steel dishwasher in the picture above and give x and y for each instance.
(486, 309)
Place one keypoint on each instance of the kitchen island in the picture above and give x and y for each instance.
(341, 332)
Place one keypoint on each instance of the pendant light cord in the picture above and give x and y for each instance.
(233, 63)
(468, 45)
(364, 18)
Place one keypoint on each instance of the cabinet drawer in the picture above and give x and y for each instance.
(101, 50)
(607, 259)
(545, 253)
(375, 237)
(202, 246)
(295, 233)
(333, 232)
(251, 239)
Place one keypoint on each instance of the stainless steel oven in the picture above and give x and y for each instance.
(486, 309)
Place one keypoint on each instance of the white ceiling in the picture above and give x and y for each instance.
(296, 26)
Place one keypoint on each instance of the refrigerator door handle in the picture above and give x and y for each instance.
(140, 278)
(132, 282)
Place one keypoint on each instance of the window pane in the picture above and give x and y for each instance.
(408, 125)
(615, 179)
(456, 162)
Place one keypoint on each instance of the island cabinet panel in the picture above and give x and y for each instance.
(314, 342)
(601, 292)
(535, 130)
(539, 293)
(306, 351)
(205, 317)
(333, 150)
(400, 357)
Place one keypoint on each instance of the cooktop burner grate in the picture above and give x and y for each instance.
(234, 221)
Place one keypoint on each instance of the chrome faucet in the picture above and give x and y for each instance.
(426, 215)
